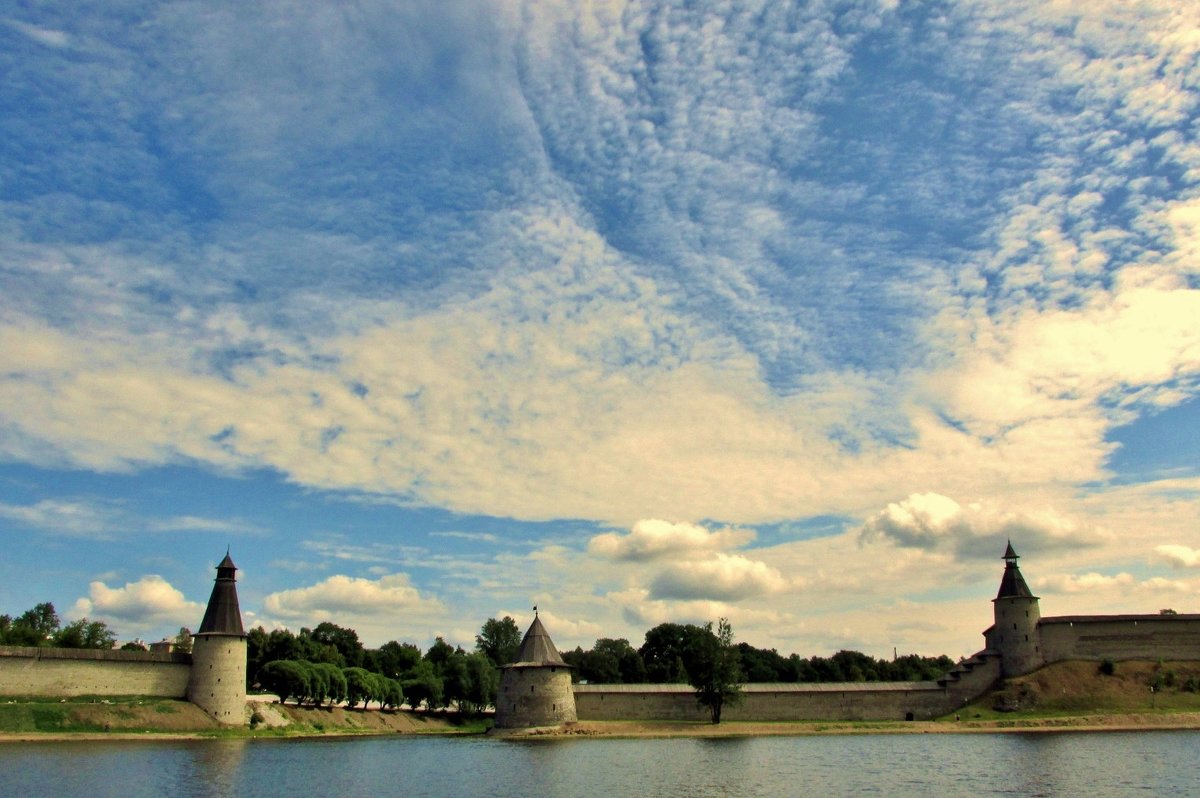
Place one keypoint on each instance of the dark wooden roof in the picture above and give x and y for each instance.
(223, 615)
(537, 648)
(1012, 584)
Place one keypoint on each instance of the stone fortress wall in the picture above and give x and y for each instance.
(66, 672)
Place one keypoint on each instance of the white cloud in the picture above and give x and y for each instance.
(349, 597)
(932, 521)
(64, 517)
(1084, 583)
(724, 577)
(1178, 556)
(49, 37)
(147, 603)
(652, 538)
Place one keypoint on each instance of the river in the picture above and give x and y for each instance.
(1150, 763)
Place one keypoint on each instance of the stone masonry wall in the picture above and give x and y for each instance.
(534, 696)
(1152, 637)
(769, 702)
(59, 672)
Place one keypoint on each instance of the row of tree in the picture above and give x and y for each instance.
(41, 626)
(669, 651)
(303, 667)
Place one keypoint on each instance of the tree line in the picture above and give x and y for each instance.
(329, 663)
(41, 626)
(668, 656)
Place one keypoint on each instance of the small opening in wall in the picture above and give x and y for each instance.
(531, 688)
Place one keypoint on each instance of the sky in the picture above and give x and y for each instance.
(432, 312)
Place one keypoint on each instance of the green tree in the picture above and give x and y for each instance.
(483, 683)
(361, 685)
(392, 694)
(393, 659)
(499, 640)
(714, 668)
(84, 634)
(422, 685)
(332, 682)
(344, 640)
(35, 627)
(666, 651)
(183, 640)
(286, 678)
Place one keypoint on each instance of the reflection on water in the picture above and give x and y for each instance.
(1044, 764)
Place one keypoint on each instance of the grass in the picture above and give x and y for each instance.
(1073, 689)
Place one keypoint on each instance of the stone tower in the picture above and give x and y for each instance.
(218, 679)
(1015, 633)
(536, 689)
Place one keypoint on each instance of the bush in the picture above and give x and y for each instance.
(1108, 667)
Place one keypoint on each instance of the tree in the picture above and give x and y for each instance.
(286, 678)
(344, 640)
(362, 685)
(499, 640)
(422, 684)
(183, 640)
(84, 634)
(666, 652)
(393, 659)
(36, 626)
(714, 669)
(484, 682)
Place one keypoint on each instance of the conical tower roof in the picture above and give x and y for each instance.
(537, 648)
(223, 615)
(1012, 584)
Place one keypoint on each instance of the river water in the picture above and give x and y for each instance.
(1151, 763)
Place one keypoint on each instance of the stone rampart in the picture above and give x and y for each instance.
(1120, 637)
(66, 672)
(768, 702)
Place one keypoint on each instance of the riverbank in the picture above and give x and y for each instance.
(1077, 723)
(1069, 696)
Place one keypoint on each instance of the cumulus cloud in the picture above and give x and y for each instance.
(1083, 583)
(653, 538)
(1122, 582)
(724, 577)
(932, 521)
(1178, 556)
(151, 601)
(340, 596)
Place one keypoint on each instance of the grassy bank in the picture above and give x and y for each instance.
(1073, 689)
(36, 718)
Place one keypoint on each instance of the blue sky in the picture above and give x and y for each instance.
(636, 311)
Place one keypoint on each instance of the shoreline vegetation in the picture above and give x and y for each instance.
(1070, 696)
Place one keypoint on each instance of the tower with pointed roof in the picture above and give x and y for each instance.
(1015, 635)
(218, 679)
(535, 690)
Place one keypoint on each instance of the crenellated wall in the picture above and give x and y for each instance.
(67, 672)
